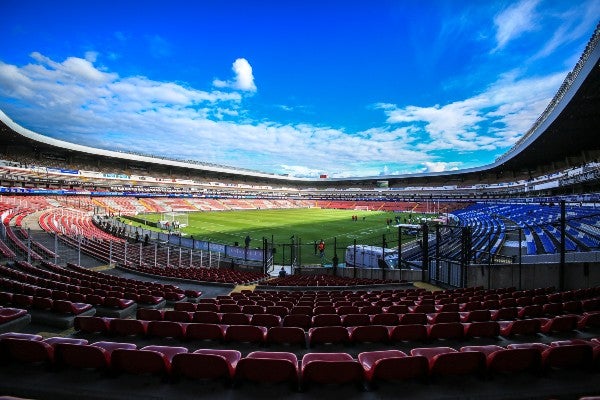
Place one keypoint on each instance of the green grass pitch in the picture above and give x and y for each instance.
(279, 225)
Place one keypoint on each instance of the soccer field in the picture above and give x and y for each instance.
(279, 225)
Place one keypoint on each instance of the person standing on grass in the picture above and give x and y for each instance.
(321, 248)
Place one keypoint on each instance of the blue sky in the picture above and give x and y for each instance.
(343, 88)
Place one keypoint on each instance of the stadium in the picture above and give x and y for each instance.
(127, 275)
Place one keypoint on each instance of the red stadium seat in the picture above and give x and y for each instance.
(165, 329)
(280, 311)
(82, 356)
(286, 335)
(589, 320)
(442, 317)
(508, 361)
(385, 319)
(267, 320)
(235, 319)
(207, 307)
(253, 309)
(271, 367)
(347, 309)
(505, 314)
(185, 306)
(327, 334)
(206, 317)
(393, 365)
(230, 308)
(449, 307)
(326, 320)
(476, 316)
(563, 323)
(128, 327)
(568, 356)
(178, 316)
(355, 320)
(303, 321)
(145, 361)
(369, 334)
(403, 333)
(413, 318)
(531, 311)
(27, 351)
(325, 368)
(92, 324)
(199, 331)
(206, 364)
(149, 314)
(482, 329)
(245, 333)
(520, 327)
(111, 346)
(445, 361)
(448, 330)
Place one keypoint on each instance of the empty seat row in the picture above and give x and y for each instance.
(282, 308)
(8, 314)
(324, 368)
(43, 303)
(319, 335)
(546, 325)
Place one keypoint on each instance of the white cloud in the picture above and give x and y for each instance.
(76, 101)
(243, 80)
(571, 25)
(91, 56)
(301, 171)
(243, 75)
(514, 21)
(440, 166)
(493, 119)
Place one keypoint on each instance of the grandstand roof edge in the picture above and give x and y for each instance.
(126, 156)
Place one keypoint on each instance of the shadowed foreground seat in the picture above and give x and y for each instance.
(272, 367)
(27, 351)
(392, 365)
(445, 361)
(245, 333)
(92, 324)
(507, 361)
(82, 356)
(198, 331)
(330, 368)
(128, 327)
(413, 332)
(328, 334)
(206, 364)
(286, 335)
(369, 333)
(148, 360)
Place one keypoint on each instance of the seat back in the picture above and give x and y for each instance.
(272, 367)
(286, 334)
(139, 361)
(200, 331)
(81, 356)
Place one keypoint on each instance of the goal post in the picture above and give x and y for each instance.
(361, 208)
(173, 220)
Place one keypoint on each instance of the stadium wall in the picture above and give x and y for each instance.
(531, 276)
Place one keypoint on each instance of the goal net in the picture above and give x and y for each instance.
(173, 221)
(361, 208)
